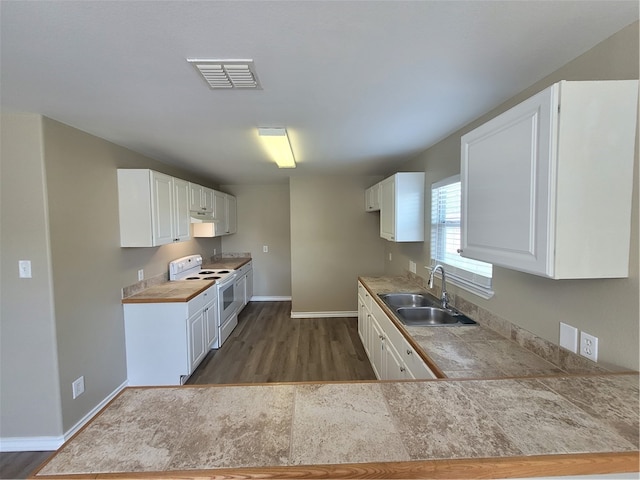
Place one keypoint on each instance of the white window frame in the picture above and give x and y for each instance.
(468, 274)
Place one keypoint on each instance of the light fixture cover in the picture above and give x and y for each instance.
(276, 141)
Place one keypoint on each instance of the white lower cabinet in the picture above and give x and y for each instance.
(390, 354)
(165, 342)
(244, 284)
(210, 313)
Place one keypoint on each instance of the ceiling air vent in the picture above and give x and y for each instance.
(227, 73)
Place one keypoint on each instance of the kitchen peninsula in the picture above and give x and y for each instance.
(540, 424)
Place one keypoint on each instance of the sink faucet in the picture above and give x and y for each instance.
(444, 298)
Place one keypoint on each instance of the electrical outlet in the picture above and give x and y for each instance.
(78, 387)
(24, 268)
(214, 251)
(390, 256)
(569, 337)
(412, 266)
(589, 346)
(265, 249)
(140, 274)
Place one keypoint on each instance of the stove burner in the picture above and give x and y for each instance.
(192, 278)
(205, 272)
(223, 271)
(212, 278)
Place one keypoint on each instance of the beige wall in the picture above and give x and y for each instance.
(29, 388)
(89, 268)
(333, 240)
(608, 308)
(263, 219)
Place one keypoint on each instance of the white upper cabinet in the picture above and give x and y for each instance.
(372, 198)
(181, 217)
(153, 208)
(547, 185)
(231, 214)
(201, 198)
(219, 206)
(402, 207)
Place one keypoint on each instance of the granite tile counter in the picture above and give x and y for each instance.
(419, 429)
(170, 292)
(480, 351)
(227, 262)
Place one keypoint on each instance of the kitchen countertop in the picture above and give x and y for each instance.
(419, 429)
(456, 427)
(229, 263)
(469, 351)
(172, 292)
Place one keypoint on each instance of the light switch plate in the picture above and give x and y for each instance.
(569, 337)
(412, 266)
(24, 268)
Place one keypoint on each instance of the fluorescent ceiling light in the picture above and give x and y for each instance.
(276, 141)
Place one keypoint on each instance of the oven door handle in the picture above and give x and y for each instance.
(228, 279)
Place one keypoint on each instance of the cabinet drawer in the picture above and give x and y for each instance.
(197, 303)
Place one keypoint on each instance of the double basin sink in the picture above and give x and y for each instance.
(423, 310)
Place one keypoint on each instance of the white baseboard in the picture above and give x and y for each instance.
(332, 314)
(30, 444)
(42, 444)
(270, 299)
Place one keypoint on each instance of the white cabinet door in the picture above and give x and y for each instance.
(377, 355)
(220, 208)
(210, 313)
(153, 208)
(249, 286)
(394, 367)
(540, 181)
(372, 198)
(197, 348)
(387, 209)
(195, 197)
(162, 208)
(181, 201)
(402, 207)
(207, 202)
(231, 214)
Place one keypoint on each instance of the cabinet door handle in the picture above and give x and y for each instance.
(381, 337)
(409, 352)
(402, 369)
(459, 250)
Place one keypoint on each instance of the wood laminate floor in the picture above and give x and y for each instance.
(270, 346)
(21, 464)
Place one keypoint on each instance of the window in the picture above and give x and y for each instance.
(472, 275)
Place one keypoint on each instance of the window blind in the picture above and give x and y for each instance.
(445, 236)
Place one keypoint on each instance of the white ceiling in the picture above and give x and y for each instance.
(360, 85)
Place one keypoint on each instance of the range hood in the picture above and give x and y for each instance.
(202, 217)
(203, 224)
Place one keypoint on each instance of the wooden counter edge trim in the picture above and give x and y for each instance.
(423, 355)
(514, 467)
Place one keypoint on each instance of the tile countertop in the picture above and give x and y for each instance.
(230, 263)
(170, 292)
(472, 351)
(414, 429)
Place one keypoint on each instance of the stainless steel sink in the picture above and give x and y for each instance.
(422, 310)
(397, 300)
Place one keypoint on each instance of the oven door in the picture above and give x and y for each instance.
(227, 301)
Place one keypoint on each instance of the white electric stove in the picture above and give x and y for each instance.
(190, 268)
